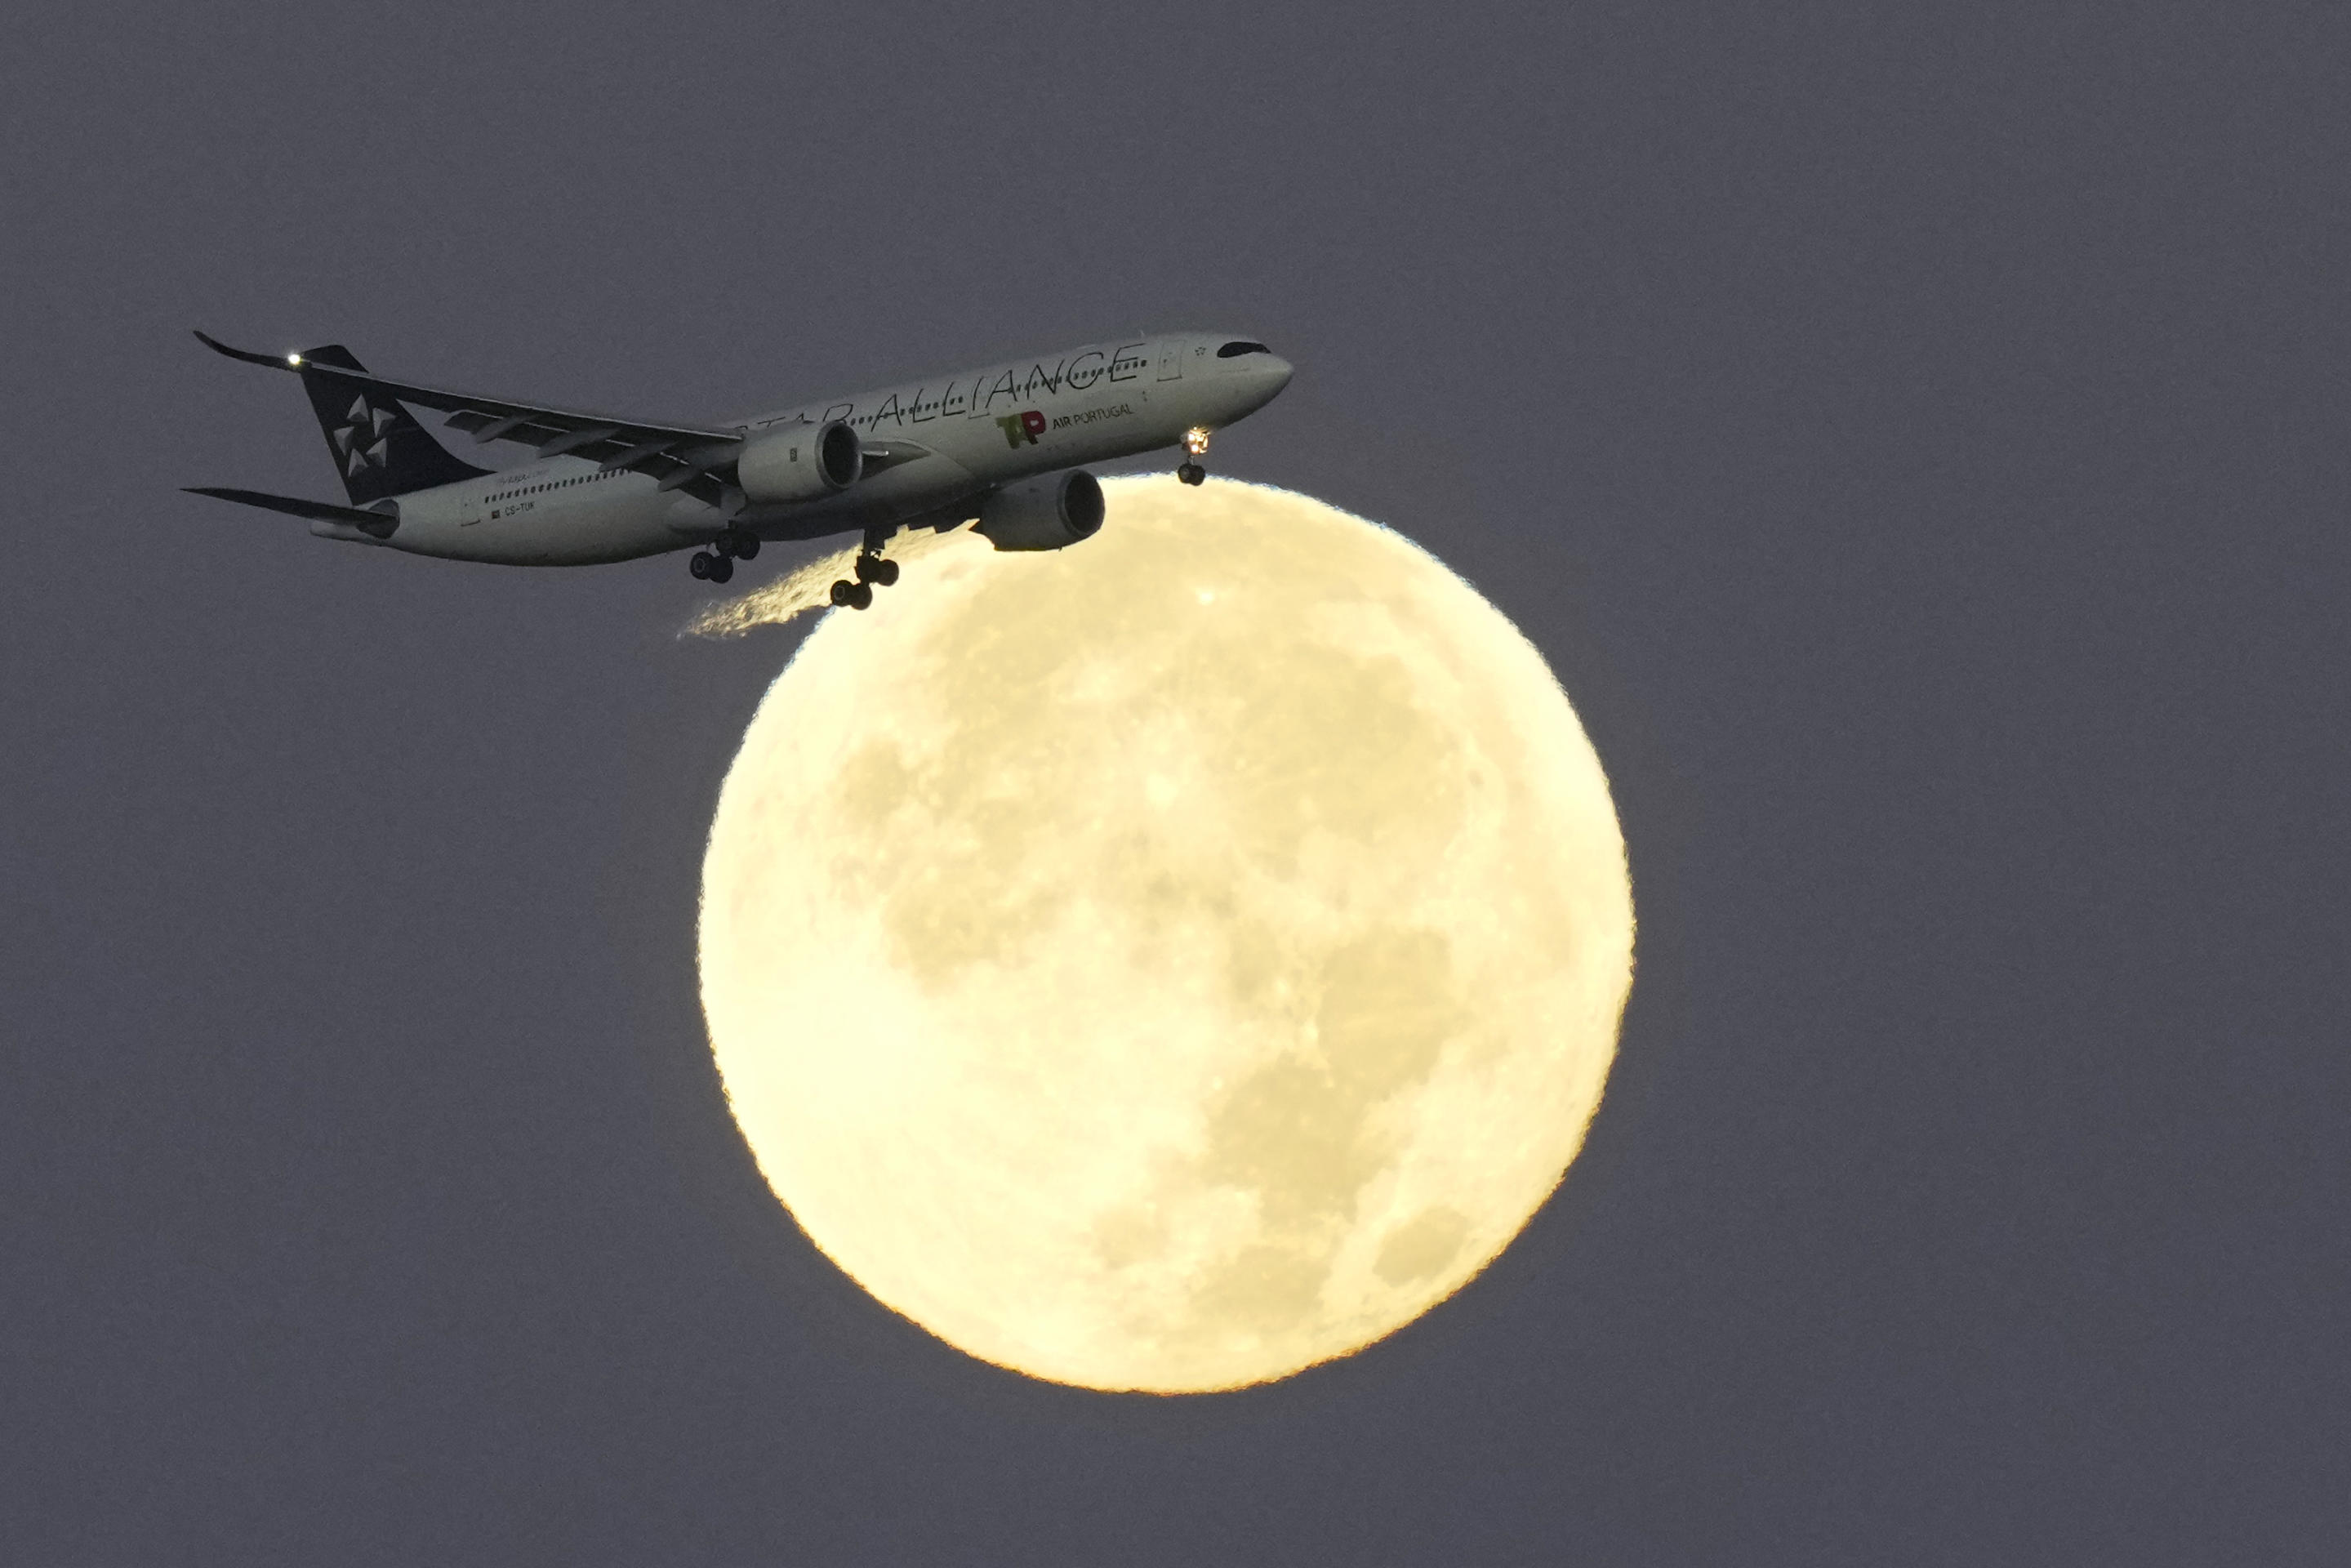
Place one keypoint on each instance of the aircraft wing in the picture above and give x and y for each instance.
(680, 456)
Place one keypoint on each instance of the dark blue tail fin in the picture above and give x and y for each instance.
(379, 447)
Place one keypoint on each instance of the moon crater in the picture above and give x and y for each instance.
(1171, 962)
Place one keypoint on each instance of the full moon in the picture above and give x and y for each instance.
(1170, 962)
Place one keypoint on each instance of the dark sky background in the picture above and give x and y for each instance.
(1916, 439)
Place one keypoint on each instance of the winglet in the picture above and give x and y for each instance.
(275, 362)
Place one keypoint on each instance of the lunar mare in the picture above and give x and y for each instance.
(1171, 962)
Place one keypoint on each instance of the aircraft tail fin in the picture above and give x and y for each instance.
(379, 447)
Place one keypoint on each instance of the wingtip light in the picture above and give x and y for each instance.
(295, 361)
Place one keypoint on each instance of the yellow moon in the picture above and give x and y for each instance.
(1171, 962)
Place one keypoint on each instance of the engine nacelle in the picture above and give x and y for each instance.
(1045, 512)
(798, 463)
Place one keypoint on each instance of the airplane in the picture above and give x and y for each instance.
(1001, 447)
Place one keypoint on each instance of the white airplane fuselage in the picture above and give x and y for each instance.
(978, 431)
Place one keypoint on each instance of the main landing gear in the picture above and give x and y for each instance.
(716, 564)
(1195, 446)
(874, 570)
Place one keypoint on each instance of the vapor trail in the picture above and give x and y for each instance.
(806, 587)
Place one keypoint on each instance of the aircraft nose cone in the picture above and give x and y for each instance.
(1276, 372)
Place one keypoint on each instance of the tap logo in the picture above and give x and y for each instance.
(1025, 426)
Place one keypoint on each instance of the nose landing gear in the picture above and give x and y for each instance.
(873, 570)
(1195, 446)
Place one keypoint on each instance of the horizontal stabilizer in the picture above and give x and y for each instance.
(380, 524)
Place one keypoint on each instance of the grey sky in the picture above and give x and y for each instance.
(1916, 440)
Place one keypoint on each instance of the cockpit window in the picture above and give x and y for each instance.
(1234, 350)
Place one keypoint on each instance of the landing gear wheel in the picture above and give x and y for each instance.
(1192, 473)
(873, 569)
(701, 564)
(740, 543)
(852, 595)
(721, 568)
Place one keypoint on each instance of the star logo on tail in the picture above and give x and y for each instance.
(363, 441)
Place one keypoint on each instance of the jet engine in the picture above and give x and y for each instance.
(800, 464)
(1045, 512)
